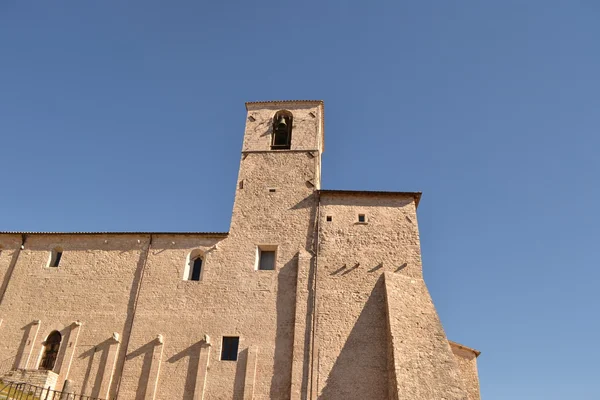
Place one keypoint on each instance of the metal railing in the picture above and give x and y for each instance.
(27, 391)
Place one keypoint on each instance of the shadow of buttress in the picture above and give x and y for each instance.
(8, 274)
(193, 353)
(131, 305)
(284, 337)
(361, 366)
(240, 375)
(309, 202)
(147, 351)
(102, 348)
(20, 356)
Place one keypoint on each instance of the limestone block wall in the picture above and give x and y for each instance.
(307, 132)
(94, 284)
(232, 299)
(10, 247)
(351, 331)
(466, 359)
(423, 364)
(274, 208)
(345, 314)
(40, 378)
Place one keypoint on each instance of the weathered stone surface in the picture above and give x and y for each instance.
(424, 367)
(344, 315)
(466, 358)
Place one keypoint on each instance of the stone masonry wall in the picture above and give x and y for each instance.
(92, 285)
(467, 363)
(10, 247)
(424, 367)
(274, 208)
(351, 325)
(330, 322)
(39, 378)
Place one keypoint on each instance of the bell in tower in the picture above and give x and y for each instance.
(282, 130)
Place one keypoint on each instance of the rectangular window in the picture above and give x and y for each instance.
(329, 218)
(362, 218)
(55, 257)
(229, 349)
(266, 260)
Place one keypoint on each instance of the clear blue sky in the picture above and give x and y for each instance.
(129, 115)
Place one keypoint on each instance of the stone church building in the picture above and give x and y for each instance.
(312, 294)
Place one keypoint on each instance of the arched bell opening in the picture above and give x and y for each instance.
(282, 130)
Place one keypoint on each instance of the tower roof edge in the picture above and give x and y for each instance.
(272, 102)
(283, 103)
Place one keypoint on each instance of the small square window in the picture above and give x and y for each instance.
(329, 218)
(266, 260)
(229, 348)
(362, 218)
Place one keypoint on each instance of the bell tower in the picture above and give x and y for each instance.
(280, 166)
(271, 242)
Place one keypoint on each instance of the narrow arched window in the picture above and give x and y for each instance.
(282, 130)
(55, 257)
(193, 266)
(51, 347)
(196, 269)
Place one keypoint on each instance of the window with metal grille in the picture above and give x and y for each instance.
(229, 349)
(51, 347)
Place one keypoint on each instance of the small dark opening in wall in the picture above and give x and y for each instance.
(50, 354)
(56, 256)
(282, 130)
(272, 190)
(266, 261)
(329, 218)
(241, 185)
(196, 269)
(361, 218)
(229, 350)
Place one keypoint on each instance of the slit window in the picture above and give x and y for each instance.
(193, 267)
(229, 348)
(266, 260)
(55, 258)
(51, 347)
(196, 269)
